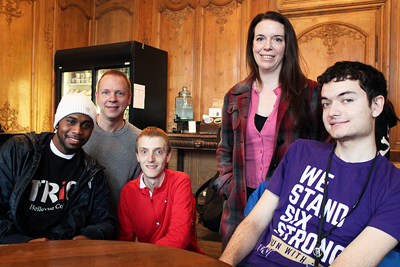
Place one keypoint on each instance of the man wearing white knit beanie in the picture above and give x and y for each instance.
(71, 108)
(51, 189)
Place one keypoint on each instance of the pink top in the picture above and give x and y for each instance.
(260, 145)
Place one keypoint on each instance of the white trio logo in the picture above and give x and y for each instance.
(50, 190)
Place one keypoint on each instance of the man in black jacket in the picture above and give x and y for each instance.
(50, 189)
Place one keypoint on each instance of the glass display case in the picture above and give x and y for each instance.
(78, 70)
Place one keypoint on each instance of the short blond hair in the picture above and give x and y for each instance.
(118, 74)
(153, 131)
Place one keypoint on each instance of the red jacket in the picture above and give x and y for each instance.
(167, 218)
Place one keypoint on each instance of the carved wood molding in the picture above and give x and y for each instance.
(194, 144)
(331, 32)
(300, 6)
(100, 2)
(82, 5)
(145, 39)
(177, 17)
(48, 38)
(10, 8)
(105, 6)
(222, 12)
(176, 5)
(9, 118)
(193, 141)
(178, 10)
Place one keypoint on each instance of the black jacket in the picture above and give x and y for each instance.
(87, 211)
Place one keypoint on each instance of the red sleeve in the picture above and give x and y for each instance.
(125, 227)
(181, 217)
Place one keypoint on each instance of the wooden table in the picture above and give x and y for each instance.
(99, 253)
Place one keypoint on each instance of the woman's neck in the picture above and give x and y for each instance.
(268, 81)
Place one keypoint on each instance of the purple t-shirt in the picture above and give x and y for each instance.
(299, 180)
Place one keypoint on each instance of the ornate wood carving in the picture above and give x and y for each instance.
(48, 37)
(10, 8)
(307, 7)
(9, 118)
(222, 12)
(176, 5)
(145, 39)
(330, 33)
(100, 2)
(178, 10)
(177, 17)
(83, 5)
(193, 141)
(104, 6)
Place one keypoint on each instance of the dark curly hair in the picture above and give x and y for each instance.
(372, 81)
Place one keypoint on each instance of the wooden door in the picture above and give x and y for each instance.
(338, 30)
(354, 35)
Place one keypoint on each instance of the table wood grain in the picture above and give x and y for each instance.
(99, 253)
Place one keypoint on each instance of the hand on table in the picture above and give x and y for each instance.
(38, 240)
(80, 237)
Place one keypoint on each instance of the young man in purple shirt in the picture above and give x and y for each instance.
(329, 204)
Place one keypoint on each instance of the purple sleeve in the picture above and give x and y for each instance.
(386, 217)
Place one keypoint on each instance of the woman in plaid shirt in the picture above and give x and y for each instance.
(263, 115)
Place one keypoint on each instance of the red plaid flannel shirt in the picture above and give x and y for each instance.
(231, 150)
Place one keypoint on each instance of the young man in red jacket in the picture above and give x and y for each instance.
(159, 207)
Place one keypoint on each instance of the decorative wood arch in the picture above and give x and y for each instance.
(330, 32)
(65, 4)
(100, 14)
(176, 5)
(105, 6)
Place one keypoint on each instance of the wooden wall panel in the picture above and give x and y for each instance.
(73, 28)
(326, 39)
(16, 67)
(176, 37)
(301, 6)
(257, 7)
(393, 63)
(147, 26)
(42, 89)
(220, 57)
(114, 26)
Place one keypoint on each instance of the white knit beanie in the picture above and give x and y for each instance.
(75, 103)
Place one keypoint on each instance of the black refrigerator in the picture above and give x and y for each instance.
(79, 69)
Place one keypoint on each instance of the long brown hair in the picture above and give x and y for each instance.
(291, 78)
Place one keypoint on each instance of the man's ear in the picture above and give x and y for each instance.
(137, 157)
(377, 105)
(168, 157)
